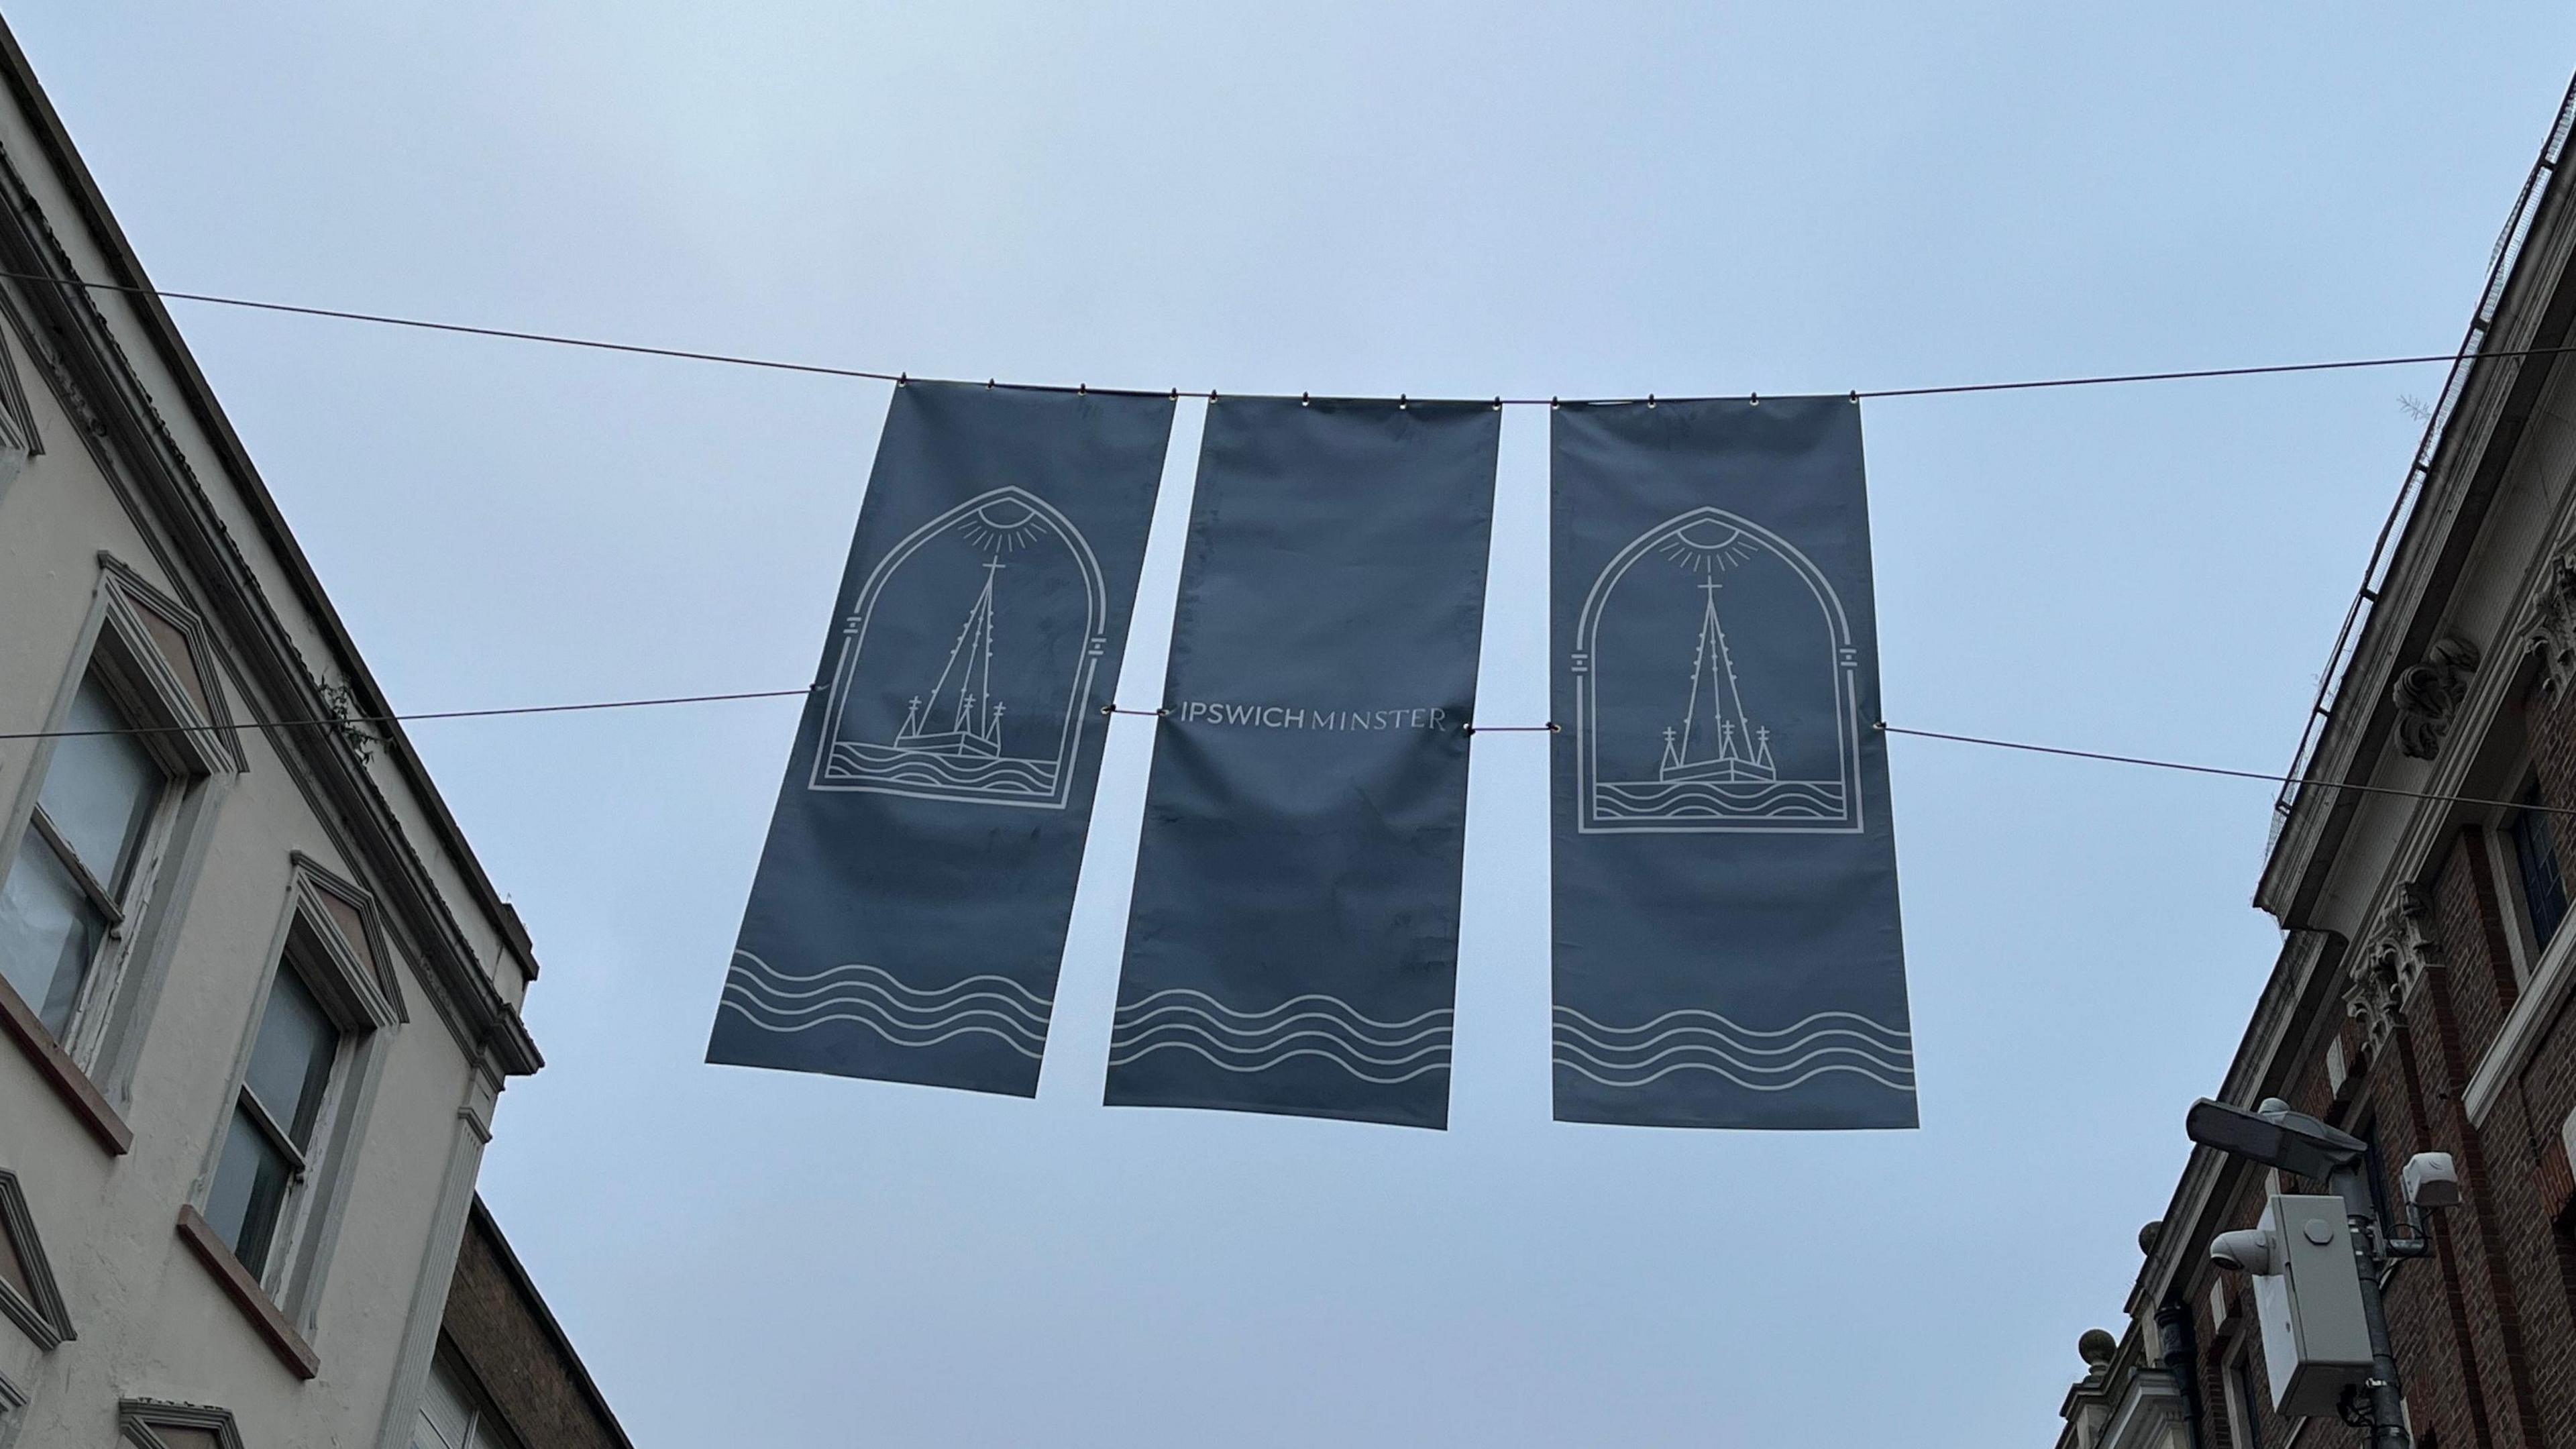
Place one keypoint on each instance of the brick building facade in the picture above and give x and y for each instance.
(505, 1376)
(2422, 875)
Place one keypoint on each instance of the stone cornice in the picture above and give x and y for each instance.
(2152, 1405)
(2310, 882)
(2476, 446)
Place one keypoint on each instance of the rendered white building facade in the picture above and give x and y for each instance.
(257, 1000)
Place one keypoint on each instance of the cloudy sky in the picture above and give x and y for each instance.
(1571, 199)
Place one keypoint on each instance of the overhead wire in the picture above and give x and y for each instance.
(342, 721)
(2265, 776)
(1550, 727)
(774, 364)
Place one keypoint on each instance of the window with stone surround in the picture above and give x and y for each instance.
(2533, 831)
(154, 1424)
(277, 1174)
(113, 790)
(2244, 1389)
(73, 882)
(270, 1145)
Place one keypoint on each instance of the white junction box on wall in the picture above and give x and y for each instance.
(2315, 1340)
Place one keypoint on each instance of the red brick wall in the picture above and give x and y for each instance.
(532, 1380)
(2485, 1330)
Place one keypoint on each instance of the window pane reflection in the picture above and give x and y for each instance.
(250, 1188)
(291, 1061)
(49, 930)
(99, 787)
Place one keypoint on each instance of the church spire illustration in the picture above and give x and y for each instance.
(963, 722)
(1766, 736)
(1716, 739)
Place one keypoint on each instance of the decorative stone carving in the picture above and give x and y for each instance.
(2388, 970)
(2407, 926)
(2429, 694)
(2370, 997)
(2553, 629)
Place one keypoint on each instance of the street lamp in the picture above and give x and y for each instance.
(2325, 1328)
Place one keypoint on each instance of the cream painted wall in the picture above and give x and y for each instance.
(152, 1321)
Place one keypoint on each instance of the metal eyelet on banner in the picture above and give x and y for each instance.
(1755, 400)
(988, 382)
(1402, 402)
(902, 379)
(1082, 389)
(1305, 400)
(1650, 399)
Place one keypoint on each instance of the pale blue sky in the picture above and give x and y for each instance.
(1454, 199)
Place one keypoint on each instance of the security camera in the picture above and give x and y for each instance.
(2431, 1181)
(2247, 1250)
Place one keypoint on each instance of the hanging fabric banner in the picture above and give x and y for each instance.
(1293, 942)
(910, 910)
(1727, 950)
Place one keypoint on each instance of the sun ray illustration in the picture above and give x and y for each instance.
(1708, 547)
(1003, 526)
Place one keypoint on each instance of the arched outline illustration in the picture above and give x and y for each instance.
(1844, 663)
(1077, 710)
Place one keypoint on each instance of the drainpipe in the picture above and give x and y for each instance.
(2182, 1359)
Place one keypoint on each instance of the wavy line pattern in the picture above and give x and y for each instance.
(1313, 1025)
(877, 999)
(1718, 800)
(886, 764)
(1757, 1060)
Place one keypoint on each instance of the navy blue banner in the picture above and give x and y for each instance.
(1293, 944)
(1727, 948)
(910, 911)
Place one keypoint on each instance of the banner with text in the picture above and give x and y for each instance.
(1727, 948)
(1293, 942)
(910, 910)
